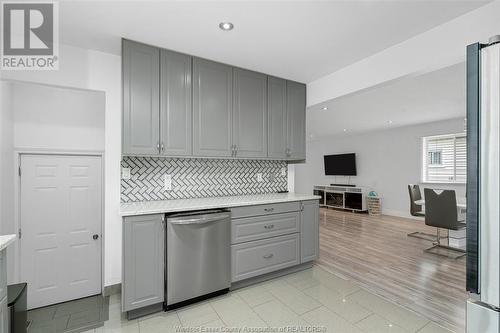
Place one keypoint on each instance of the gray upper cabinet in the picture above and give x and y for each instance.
(143, 261)
(277, 121)
(178, 105)
(175, 104)
(212, 108)
(141, 79)
(249, 113)
(309, 231)
(296, 120)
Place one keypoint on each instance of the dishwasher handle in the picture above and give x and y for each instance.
(201, 219)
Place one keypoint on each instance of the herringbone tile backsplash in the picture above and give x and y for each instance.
(198, 178)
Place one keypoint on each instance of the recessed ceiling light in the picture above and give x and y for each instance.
(345, 129)
(389, 122)
(324, 108)
(226, 26)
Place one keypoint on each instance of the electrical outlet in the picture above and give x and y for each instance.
(125, 173)
(167, 182)
(283, 171)
(259, 177)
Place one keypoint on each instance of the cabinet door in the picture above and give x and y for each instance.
(143, 261)
(141, 109)
(296, 114)
(309, 231)
(277, 122)
(212, 108)
(175, 104)
(249, 113)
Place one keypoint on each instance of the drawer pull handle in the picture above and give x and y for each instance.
(269, 226)
(268, 256)
(268, 209)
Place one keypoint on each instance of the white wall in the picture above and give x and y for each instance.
(7, 169)
(55, 118)
(387, 161)
(6, 157)
(93, 70)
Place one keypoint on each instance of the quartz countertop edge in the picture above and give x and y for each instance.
(184, 205)
(6, 240)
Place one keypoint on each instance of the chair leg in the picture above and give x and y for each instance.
(438, 245)
(422, 235)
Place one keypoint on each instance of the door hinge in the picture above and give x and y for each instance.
(20, 233)
(19, 171)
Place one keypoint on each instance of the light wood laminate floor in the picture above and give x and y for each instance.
(376, 252)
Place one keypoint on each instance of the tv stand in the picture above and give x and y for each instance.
(347, 197)
(343, 185)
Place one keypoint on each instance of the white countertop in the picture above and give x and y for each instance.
(182, 205)
(6, 240)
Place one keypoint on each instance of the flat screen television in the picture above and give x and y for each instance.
(340, 165)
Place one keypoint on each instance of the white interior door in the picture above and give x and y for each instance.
(60, 214)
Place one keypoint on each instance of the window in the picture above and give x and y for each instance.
(444, 158)
(434, 158)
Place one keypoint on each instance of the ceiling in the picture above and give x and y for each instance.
(434, 96)
(298, 40)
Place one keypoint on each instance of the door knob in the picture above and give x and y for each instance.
(95, 236)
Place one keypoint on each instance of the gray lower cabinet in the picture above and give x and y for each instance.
(296, 120)
(212, 108)
(309, 231)
(249, 113)
(267, 238)
(277, 121)
(141, 80)
(255, 258)
(175, 104)
(143, 261)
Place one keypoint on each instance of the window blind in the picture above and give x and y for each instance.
(445, 158)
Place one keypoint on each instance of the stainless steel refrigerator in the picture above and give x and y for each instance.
(483, 187)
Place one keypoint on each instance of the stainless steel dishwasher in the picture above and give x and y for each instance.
(198, 256)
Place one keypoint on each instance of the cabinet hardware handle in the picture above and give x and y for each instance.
(158, 146)
(268, 209)
(268, 256)
(269, 226)
(235, 150)
(95, 237)
(162, 147)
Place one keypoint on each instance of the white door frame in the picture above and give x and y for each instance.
(17, 200)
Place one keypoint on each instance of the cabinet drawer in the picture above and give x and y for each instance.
(264, 256)
(257, 210)
(3, 274)
(260, 227)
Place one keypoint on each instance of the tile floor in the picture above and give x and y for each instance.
(75, 316)
(309, 298)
